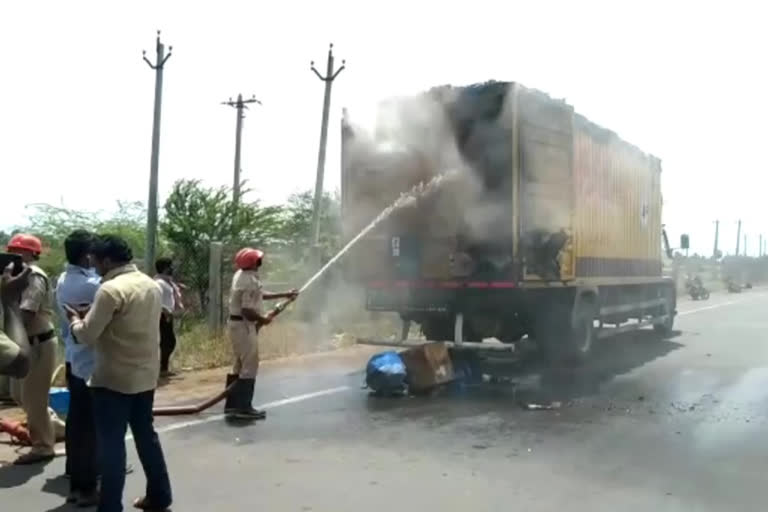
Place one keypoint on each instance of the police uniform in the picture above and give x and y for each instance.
(246, 292)
(37, 298)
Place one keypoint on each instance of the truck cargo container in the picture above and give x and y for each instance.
(549, 228)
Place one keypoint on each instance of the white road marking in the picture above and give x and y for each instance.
(216, 417)
(720, 305)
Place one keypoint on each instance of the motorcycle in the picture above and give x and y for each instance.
(696, 290)
(732, 286)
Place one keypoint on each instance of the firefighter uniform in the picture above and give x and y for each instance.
(245, 293)
(37, 298)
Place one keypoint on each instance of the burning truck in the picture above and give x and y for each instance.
(543, 225)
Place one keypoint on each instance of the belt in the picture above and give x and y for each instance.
(40, 338)
(236, 318)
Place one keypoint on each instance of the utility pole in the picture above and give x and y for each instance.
(760, 247)
(151, 236)
(738, 237)
(717, 238)
(745, 245)
(328, 78)
(239, 105)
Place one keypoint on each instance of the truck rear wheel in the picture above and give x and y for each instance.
(666, 327)
(567, 334)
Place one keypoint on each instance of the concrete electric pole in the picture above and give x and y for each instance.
(239, 106)
(151, 235)
(328, 78)
(738, 237)
(715, 251)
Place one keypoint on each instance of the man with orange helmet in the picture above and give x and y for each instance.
(37, 315)
(246, 316)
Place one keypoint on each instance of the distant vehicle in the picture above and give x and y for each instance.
(732, 286)
(555, 233)
(695, 288)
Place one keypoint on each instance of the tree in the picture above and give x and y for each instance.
(196, 215)
(298, 224)
(53, 223)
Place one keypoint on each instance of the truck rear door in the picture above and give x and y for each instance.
(546, 186)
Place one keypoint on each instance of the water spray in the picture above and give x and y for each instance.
(420, 191)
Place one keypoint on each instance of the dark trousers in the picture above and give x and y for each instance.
(114, 412)
(80, 432)
(167, 341)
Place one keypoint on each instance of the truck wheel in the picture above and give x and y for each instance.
(665, 328)
(567, 336)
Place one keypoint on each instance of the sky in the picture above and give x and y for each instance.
(685, 81)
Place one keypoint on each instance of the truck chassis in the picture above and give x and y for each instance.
(563, 321)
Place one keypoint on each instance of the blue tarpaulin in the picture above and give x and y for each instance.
(385, 373)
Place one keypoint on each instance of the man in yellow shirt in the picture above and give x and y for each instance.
(121, 326)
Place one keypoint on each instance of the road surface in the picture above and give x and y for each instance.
(665, 425)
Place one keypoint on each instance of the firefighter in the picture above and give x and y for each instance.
(37, 316)
(246, 317)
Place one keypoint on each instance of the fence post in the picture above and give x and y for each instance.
(214, 287)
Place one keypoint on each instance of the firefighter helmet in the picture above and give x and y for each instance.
(25, 242)
(248, 258)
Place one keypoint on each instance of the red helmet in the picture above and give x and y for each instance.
(25, 242)
(248, 258)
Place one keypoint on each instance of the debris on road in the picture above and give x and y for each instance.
(428, 366)
(542, 407)
(385, 374)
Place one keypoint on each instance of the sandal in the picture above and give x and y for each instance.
(143, 504)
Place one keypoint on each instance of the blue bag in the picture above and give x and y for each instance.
(385, 373)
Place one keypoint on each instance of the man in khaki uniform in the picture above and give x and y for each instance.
(246, 316)
(37, 315)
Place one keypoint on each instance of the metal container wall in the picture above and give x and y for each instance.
(617, 217)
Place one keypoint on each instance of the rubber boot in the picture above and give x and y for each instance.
(231, 405)
(245, 408)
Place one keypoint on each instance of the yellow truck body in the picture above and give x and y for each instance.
(545, 200)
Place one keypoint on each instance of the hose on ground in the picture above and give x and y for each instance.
(179, 410)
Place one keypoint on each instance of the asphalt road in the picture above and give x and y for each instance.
(665, 425)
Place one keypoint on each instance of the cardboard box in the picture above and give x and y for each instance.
(428, 366)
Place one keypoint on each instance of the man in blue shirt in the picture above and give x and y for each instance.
(77, 287)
